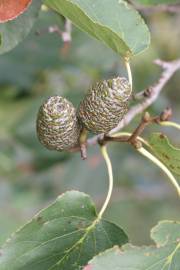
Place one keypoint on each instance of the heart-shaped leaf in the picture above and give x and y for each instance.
(165, 151)
(166, 254)
(114, 22)
(63, 236)
(13, 32)
(10, 9)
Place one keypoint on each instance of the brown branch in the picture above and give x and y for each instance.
(146, 120)
(133, 139)
(169, 68)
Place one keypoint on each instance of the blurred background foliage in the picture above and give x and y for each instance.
(31, 176)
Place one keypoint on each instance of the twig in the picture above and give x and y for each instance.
(143, 94)
(134, 138)
(137, 142)
(146, 120)
(169, 68)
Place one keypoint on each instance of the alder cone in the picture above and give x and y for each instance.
(57, 124)
(105, 105)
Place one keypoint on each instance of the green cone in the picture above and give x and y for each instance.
(57, 124)
(105, 105)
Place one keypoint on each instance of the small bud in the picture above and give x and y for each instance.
(166, 114)
(146, 117)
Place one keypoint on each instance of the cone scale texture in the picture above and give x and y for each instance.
(57, 124)
(105, 105)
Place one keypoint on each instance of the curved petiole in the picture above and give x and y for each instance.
(170, 124)
(128, 68)
(156, 161)
(110, 174)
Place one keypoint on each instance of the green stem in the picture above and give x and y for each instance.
(128, 68)
(156, 161)
(170, 124)
(110, 173)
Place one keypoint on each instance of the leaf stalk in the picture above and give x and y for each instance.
(110, 174)
(156, 161)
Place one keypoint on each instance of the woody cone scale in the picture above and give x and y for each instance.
(105, 105)
(57, 124)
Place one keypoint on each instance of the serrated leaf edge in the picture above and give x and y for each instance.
(42, 210)
(121, 250)
(155, 228)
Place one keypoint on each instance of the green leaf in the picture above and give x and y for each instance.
(158, 2)
(114, 22)
(13, 32)
(165, 151)
(166, 232)
(166, 254)
(62, 236)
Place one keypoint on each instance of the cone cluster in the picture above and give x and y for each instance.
(59, 124)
